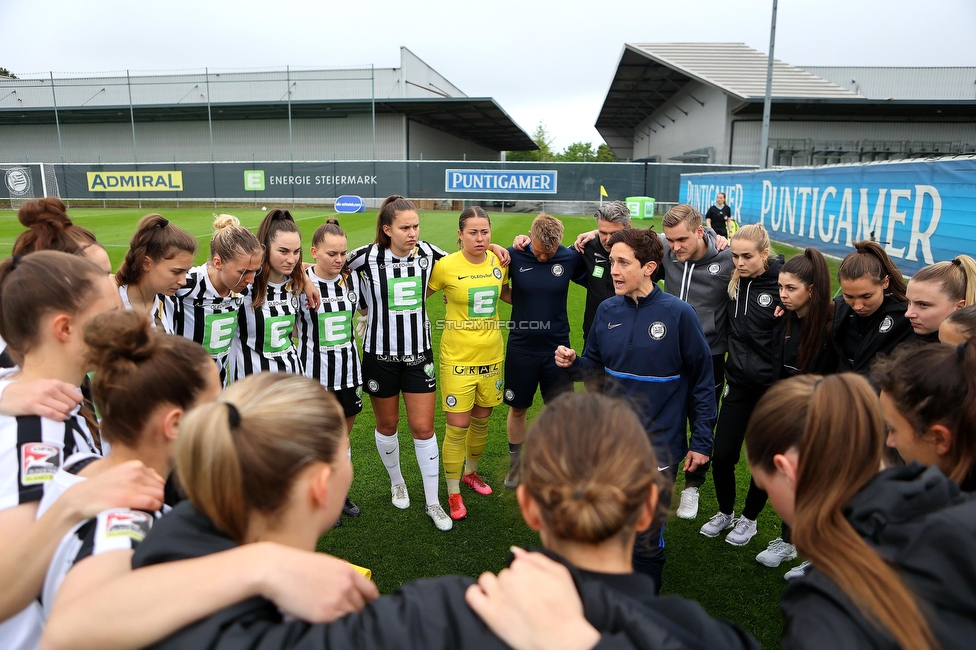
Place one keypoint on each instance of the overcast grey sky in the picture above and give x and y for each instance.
(542, 61)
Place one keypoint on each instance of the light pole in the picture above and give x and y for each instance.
(764, 141)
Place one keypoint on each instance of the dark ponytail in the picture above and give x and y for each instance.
(870, 259)
(276, 221)
(387, 214)
(811, 269)
(157, 239)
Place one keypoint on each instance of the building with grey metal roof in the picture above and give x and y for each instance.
(406, 113)
(702, 102)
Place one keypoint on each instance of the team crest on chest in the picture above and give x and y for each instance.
(497, 272)
(294, 302)
(557, 270)
(424, 262)
(765, 300)
(657, 330)
(351, 297)
(886, 324)
(714, 268)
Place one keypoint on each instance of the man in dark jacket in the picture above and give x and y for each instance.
(696, 271)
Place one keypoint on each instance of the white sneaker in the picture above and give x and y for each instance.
(796, 572)
(688, 508)
(717, 524)
(400, 497)
(745, 530)
(441, 520)
(776, 553)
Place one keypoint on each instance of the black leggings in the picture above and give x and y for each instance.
(737, 406)
(697, 478)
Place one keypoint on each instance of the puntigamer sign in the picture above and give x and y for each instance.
(501, 181)
(157, 181)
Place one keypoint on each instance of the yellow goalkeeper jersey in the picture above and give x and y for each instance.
(471, 335)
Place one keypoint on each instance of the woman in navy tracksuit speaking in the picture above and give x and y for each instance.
(653, 350)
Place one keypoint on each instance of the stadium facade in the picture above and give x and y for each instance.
(406, 113)
(703, 102)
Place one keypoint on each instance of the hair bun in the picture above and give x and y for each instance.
(332, 220)
(224, 221)
(119, 335)
(49, 211)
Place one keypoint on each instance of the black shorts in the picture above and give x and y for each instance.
(525, 373)
(388, 376)
(351, 400)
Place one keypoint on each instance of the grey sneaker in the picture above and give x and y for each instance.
(745, 530)
(400, 497)
(439, 517)
(688, 508)
(717, 524)
(796, 572)
(514, 475)
(776, 553)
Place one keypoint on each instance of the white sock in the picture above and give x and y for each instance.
(389, 449)
(429, 459)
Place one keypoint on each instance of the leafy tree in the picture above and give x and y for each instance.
(542, 138)
(7, 73)
(578, 152)
(605, 154)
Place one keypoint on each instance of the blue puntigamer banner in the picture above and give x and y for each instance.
(920, 211)
(505, 181)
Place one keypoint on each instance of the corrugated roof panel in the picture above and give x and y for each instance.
(740, 70)
(902, 83)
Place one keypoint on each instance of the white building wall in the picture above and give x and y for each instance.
(745, 135)
(349, 138)
(426, 143)
(669, 132)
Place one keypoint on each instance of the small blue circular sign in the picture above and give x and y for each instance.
(348, 204)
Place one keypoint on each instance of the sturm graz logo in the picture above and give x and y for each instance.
(557, 270)
(509, 394)
(497, 272)
(886, 324)
(351, 297)
(18, 182)
(373, 386)
(714, 268)
(765, 299)
(657, 330)
(424, 262)
(451, 401)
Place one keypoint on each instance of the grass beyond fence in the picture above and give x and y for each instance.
(400, 546)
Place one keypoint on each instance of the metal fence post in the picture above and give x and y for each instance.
(57, 120)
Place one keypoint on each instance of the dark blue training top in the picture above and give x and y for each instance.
(539, 291)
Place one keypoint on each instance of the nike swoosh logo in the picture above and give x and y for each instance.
(387, 452)
(433, 457)
(463, 277)
(610, 326)
(661, 469)
(523, 269)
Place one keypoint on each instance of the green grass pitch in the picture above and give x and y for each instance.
(400, 546)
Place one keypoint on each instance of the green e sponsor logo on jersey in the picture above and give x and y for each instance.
(482, 302)
(277, 333)
(335, 329)
(218, 332)
(405, 293)
(597, 271)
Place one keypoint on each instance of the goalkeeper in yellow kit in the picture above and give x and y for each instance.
(472, 351)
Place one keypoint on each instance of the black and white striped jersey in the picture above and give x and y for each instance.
(111, 530)
(201, 314)
(157, 312)
(32, 449)
(264, 334)
(394, 289)
(327, 336)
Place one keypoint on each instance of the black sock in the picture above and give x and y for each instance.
(515, 447)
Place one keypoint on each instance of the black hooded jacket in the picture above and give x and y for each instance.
(919, 521)
(858, 340)
(786, 348)
(752, 325)
(425, 614)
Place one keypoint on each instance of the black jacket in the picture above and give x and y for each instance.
(858, 340)
(752, 322)
(786, 349)
(918, 520)
(424, 614)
